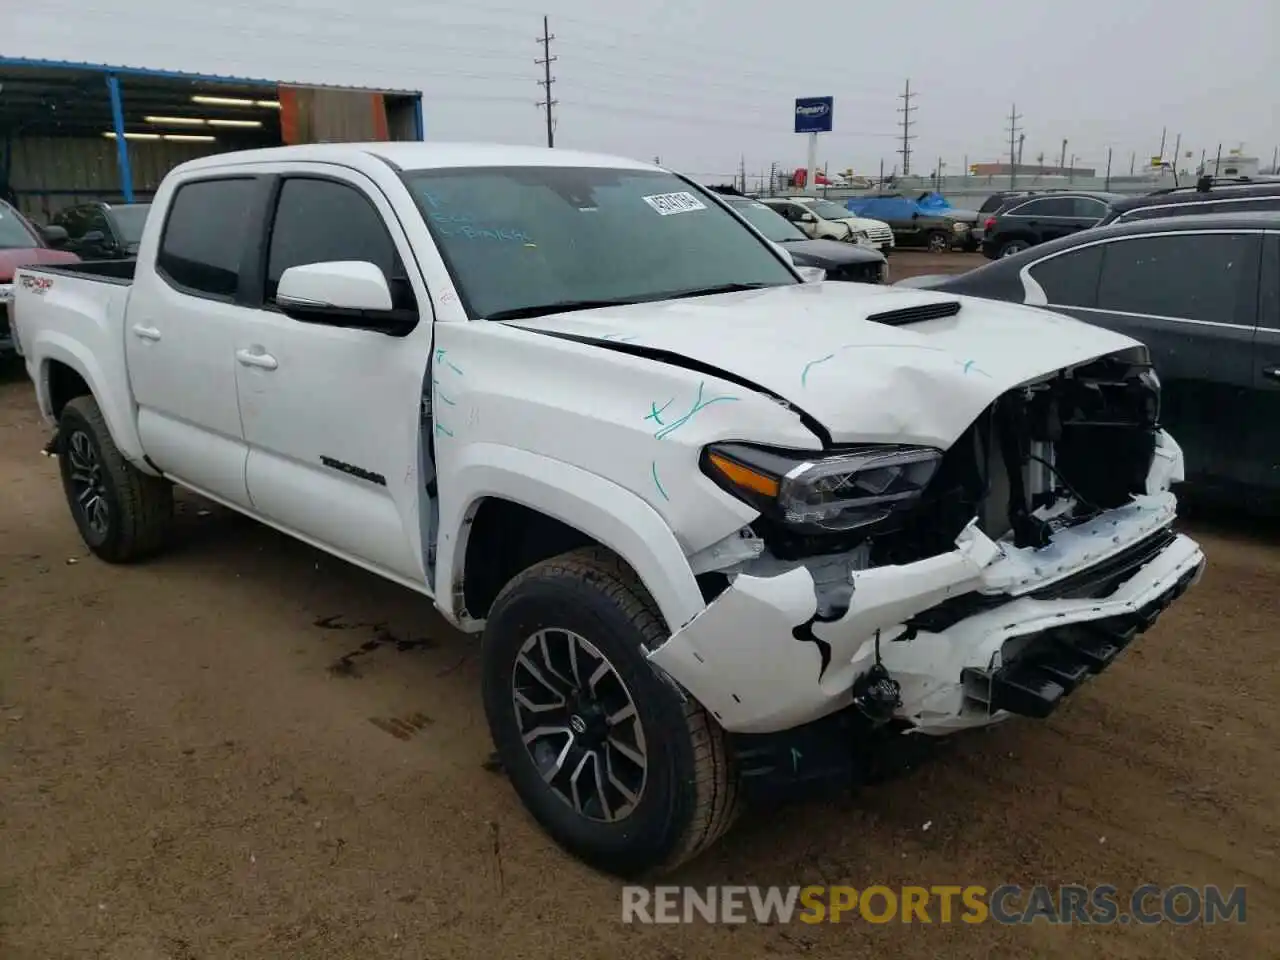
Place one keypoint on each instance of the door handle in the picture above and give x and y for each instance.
(263, 361)
(1271, 373)
(146, 333)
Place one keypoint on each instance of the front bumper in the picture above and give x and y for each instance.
(965, 633)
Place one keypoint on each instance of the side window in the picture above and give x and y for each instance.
(97, 220)
(1070, 279)
(322, 220)
(1087, 208)
(206, 235)
(1209, 276)
(1044, 207)
(1269, 294)
(1256, 203)
(71, 220)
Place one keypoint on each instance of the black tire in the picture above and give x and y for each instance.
(1011, 247)
(938, 241)
(138, 508)
(689, 794)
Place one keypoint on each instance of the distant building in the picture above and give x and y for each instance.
(1030, 170)
(1232, 165)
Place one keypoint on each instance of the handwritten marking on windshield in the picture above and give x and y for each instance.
(658, 483)
(699, 404)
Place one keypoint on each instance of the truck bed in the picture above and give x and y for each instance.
(108, 271)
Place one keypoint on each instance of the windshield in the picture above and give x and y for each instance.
(130, 220)
(14, 232)
(773, 225)
(829, 211)
(517, 238)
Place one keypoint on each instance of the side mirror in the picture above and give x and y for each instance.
(93, 238)
(806, 217)
(811, 274)
(349, 293)
(54, 235)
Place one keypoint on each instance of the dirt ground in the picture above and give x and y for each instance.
(247, 749)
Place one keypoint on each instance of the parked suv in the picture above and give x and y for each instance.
(103, 231)
(1029, 221)
(1207, 196)
(825, 220)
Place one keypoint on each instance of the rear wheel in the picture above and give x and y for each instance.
(122, 513)
(1012, 247)
(614, 762)
(939, 242)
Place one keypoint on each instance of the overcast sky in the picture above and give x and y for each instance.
(701, 83)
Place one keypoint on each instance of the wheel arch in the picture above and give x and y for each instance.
(494, 486)
(68, 370)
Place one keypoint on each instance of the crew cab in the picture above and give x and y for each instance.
(716, 527)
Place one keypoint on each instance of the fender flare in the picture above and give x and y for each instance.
(53, 346)
(599, 508)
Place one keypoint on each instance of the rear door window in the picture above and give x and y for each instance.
(206, 236)
(1209, 277)
(1070, 279)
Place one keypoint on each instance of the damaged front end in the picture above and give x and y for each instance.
(937, 590)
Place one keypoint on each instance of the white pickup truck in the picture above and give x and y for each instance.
(717, 526)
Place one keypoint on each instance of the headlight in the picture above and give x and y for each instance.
(861, 236)
(884, 272)
(961, 227)
(832, 493)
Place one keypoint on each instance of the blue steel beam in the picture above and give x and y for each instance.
(122, 145)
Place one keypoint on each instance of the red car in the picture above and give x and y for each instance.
(23, 244)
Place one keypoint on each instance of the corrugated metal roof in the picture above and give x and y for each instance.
(123, 70)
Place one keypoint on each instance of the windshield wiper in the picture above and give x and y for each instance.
(562, 306)
(718, 288)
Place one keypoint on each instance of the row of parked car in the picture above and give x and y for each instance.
(1192, 273)
(1019, 219)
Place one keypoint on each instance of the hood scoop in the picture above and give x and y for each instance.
(918, 314)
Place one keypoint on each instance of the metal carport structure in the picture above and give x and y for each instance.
(74, 131)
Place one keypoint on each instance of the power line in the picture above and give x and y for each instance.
(907, 123)
(548, 80)
(1014, 131)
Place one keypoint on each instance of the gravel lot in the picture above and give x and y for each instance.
(247, 749)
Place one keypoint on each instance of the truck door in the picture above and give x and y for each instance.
(180, 328)
(332, 412)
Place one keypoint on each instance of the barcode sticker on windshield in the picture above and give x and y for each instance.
(669, 203)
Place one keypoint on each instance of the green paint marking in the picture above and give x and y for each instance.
(804, 375)
(698, 405)
(655, 413)
(658, 483)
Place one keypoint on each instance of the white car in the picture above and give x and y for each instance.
(714, 526)
(826, 220)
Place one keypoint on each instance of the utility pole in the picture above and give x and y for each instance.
(1163, 133)
(1177, 153)
(1107, 185)
(907, 123)
(1014, 130)
(1063, 161)
(547, 80)
(1275, 158)
(742, 172)
(1217, 164)
(1133, 158)
(1022, 142)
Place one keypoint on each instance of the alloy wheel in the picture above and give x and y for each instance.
(87, 482)
(579, 724)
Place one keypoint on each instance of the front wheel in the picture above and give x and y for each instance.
(939, 242)
(616, 764)
(122, 513)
